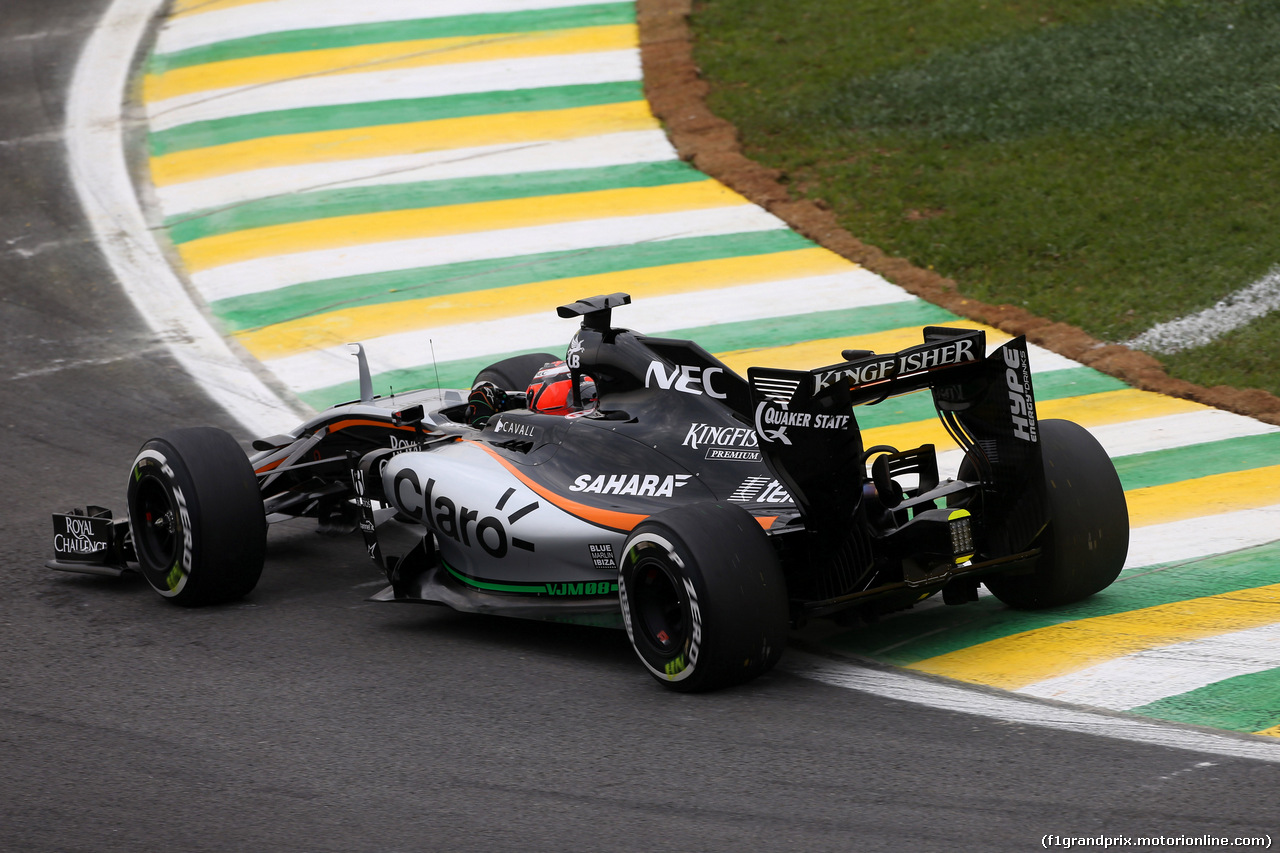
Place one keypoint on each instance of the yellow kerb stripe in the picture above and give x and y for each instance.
(387, 56)
(1022, 659)
(392, 139)
(389, 226)
(1212, 495)
(376, 320)
(1274, 731)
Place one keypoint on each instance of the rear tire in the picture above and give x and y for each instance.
(515, 373)
(197, 519)
(1086, 542)
(703, 597)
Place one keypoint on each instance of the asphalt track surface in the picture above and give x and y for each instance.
(307, 719)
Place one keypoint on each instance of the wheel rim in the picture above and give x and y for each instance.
(157, 536)
(661, 615)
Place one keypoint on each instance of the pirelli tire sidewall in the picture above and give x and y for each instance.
(703, 597)
(196, 516)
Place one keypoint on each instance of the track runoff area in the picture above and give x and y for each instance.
(432, 178)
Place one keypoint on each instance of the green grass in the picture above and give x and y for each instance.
(1108, 164)
(1246, 358)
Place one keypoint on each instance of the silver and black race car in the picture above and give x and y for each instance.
(704, 512)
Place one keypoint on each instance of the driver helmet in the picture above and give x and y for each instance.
(551, 391)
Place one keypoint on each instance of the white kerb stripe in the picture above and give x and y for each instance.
(378, 84)
(614, 149)
(197, 30)
(1145, 435)
(1193, 538)
(1159, 673)
(1042, 360)
(1168, 431)
(264, 274)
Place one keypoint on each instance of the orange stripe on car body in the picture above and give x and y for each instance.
(622, 522)
(338, 426)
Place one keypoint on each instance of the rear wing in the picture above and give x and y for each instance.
(810, 438)
(872, 377)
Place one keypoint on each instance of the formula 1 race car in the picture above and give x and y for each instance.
(641, 482)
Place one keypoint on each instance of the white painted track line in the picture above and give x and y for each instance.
(1237, 310)
(934, 693)
(96, 160)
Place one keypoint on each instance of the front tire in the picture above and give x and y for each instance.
(1085, 544)
(703, 597)
(197, 519)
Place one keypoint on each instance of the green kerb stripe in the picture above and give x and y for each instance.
(917, 636)
(202, 134)
(353, 201)
(1161, 467)
(295, 41)
(1054, 385)
(302, 300)
(1245, 703)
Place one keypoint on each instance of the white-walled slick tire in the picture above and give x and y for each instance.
(196, 515)
(703, 597)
